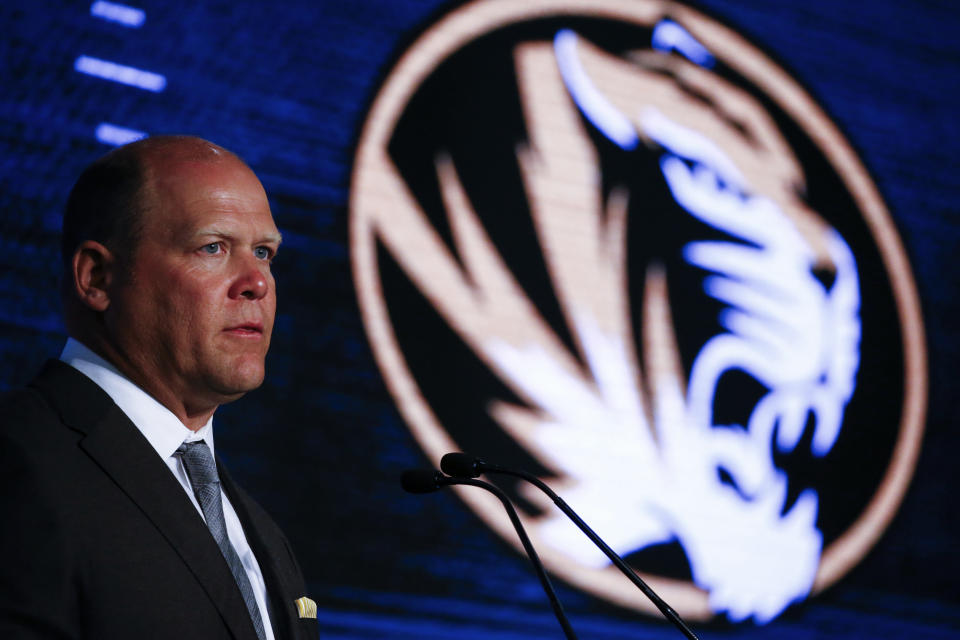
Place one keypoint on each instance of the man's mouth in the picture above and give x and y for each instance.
(246, 329)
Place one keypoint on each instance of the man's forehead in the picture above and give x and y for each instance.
(194, 191)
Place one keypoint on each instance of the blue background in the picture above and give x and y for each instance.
(321, 445)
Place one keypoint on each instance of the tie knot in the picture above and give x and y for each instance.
(197, 460)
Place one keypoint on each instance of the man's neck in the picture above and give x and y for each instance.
(102, 354)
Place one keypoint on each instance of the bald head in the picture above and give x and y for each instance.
(111, 196)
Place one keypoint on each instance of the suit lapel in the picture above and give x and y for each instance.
(119, 448)
(279, 583)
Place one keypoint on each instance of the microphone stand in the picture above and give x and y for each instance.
(424, 481)
(459, 464)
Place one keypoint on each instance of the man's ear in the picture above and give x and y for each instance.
(93, 272)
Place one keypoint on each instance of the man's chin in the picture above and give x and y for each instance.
(237, 383)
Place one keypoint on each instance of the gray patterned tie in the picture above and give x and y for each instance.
(202, 471)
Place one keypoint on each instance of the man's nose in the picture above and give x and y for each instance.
(252, 281)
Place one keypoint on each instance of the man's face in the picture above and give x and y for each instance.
(193, 318)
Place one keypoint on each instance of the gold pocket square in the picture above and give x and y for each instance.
(306, 607)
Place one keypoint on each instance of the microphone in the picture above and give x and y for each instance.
(461, 465)
(429, 480)
(422, 480)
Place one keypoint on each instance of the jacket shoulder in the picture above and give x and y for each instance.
(33, 416)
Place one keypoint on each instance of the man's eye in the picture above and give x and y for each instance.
(262, 252)
(212, 249)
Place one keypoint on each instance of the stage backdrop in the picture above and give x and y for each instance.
(689, 264)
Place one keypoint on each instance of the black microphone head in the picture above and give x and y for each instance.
(461, 465)
(420, 480)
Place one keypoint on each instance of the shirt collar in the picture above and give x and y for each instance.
(159, 426)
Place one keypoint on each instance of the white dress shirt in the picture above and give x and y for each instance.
(166, 433)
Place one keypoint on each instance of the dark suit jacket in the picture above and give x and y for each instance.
(99, 540)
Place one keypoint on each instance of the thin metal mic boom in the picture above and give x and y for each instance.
(461, 465)
(429, 480)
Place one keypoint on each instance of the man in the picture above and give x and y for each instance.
(116, 523)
